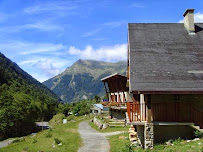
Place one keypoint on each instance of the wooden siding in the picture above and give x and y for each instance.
(165, 112)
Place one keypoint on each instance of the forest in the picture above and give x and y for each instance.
(23, 100)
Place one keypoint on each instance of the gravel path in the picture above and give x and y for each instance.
(5, 143)
(93, 140)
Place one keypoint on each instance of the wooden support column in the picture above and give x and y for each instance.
(105, 89)
(124, 96)
(149, 111)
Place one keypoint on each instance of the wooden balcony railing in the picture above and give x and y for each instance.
(136, 111)
(117, 104)
(165, 112)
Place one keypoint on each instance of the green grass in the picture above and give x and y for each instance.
(67, 133)
(119, 145)
(123, 145)
(181, 146)
(109, 129)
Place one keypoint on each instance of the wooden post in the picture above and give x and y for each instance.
(149, 111)
(106, 90)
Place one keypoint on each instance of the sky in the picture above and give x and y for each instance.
(44, 37)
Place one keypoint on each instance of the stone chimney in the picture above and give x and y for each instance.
(189, 20)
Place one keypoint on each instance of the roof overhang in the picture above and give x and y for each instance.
(113, 76)
(167, 92)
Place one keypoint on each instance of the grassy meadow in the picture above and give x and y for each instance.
(46, 140)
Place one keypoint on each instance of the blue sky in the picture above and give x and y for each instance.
(44, 37)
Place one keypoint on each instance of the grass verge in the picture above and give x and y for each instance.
(46, 140)
(121, 143)
(180, 146)
(109, 129)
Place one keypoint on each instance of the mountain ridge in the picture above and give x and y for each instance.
(83, 79)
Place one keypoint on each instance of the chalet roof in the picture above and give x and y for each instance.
(116, 82)
(164, 57)
(113, 76)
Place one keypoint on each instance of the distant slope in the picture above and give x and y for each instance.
(23, 100)
(83, 79)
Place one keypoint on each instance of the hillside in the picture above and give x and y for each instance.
(83, 79)
(23, 100)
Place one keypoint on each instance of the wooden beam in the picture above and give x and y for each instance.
(106, 89)
(149, 111)
(167, 92)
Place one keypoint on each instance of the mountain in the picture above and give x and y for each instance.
(83, 79)
(23, 100)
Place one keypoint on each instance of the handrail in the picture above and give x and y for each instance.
(136, 111)
(118, 104)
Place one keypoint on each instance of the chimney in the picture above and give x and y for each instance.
(189, 21)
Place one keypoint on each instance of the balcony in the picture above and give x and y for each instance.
(115, 105)
(164, 112)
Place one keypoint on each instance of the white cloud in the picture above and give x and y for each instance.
(42, 26)
(41, 60)
(198, 17)
(91, 33)
(103, 26)
(114, 24)
(26, 48)
(49, 48)
(112, 53)
(61, 8)
(43, 68)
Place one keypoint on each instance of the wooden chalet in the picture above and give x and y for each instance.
(117, 92)
(165, 79)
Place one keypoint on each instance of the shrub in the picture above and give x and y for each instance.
(177, 141)
(198, 134)
(71, 117)
(57, 119)
(18, 140)
(48, 134)
(34, 140)
(128, 148)
(57, 141)
(25, 149)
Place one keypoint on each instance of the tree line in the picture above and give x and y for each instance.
(23, 100)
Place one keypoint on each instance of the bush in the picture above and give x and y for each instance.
(57, 119)
(25, 149)
(34, 140)
(57, 141)
(128, 148)
(18, 140)
(177, 141)
(71, 117)
(48, 134)
(198, 134)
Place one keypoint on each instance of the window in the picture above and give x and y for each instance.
(177, 97)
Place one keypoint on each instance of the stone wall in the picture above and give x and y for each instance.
(99, 123)
(145, 134)
(140, 135)
(148, 135)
